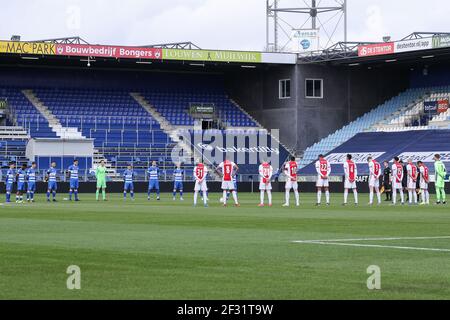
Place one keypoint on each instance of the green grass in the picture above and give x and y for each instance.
(170, 250)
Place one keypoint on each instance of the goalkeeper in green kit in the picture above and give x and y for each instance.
(100, 174)
(441, 173)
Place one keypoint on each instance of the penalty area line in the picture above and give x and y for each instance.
(344, 242)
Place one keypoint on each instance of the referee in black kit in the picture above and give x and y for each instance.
(387, 183)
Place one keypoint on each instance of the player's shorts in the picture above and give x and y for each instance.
(349, 185)
(74, 184)
(397, 185)
(178, 185)
(412, 184)
(201, 186)
(322, 183)
(101, 184)
(265, 186)
(20, 186)
(31, 186)
(423, 185)
(440, 183)
(153, 184)
(228, 185)
(129, 186)
(374, 182)
(291, 185)
(52, 186)
(9, 187)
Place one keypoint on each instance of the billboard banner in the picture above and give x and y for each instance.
(34, 48)
(376, 49)
(430, 107)
(212, 55)
(442, 105)
(81, 50)
(305, 40)
(441, 42)
(359, 158)
(413, 45)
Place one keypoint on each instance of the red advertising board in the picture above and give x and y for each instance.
(81, 50)
(376, 49)
(442, 105)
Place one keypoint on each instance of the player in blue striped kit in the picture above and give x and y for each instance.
(74, 180)
(153, 182)
(52, 185)
(178, 176)
(10, 179)
(31, 182)
(21, 177)
(128, 177)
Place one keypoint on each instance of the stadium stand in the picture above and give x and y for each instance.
(384, 146)
(173, 105)
(393, 115)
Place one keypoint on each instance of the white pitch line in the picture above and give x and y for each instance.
(373, 239)
(372, 246)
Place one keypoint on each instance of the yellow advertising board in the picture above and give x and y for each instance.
(37, 48)
(212, 55)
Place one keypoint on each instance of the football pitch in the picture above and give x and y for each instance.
(171, 250)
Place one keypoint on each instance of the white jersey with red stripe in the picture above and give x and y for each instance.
(200, 172)
(412, 176)
(323, 170)
(227, 170)
(424, 177)
(397, 175)
(290, 170)
(351, 173)
(374, 173)
(265, 175)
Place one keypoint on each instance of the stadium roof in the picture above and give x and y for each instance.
(73, 47)
(415, 45)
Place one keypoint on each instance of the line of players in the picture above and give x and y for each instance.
(26, 181)
(419, 173)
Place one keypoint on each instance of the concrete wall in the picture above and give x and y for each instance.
(349, 92)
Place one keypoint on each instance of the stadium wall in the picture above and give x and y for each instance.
(348, 94)
(214, 187)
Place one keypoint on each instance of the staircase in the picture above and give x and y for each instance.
(172, 132)
(55, 124)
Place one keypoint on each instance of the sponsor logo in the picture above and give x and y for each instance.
(210, 55)
(107, 51)
(359, 158)
(413, 45)
(441, 42)
(376, 49)
(442, 106)
(234, 149)
(306, 44)
(427, 157)
(27, 48)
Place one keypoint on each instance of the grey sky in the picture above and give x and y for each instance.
(215, 24)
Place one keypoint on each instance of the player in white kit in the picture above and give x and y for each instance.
(265, 184)
(424, 181)
(351, 173)
(227, 170)
(397, 178)
(374, 179)
(200, 172)
(412, 181)
(323, 169)
(290, 170)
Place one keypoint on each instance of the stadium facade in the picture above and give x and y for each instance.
(137, 104)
